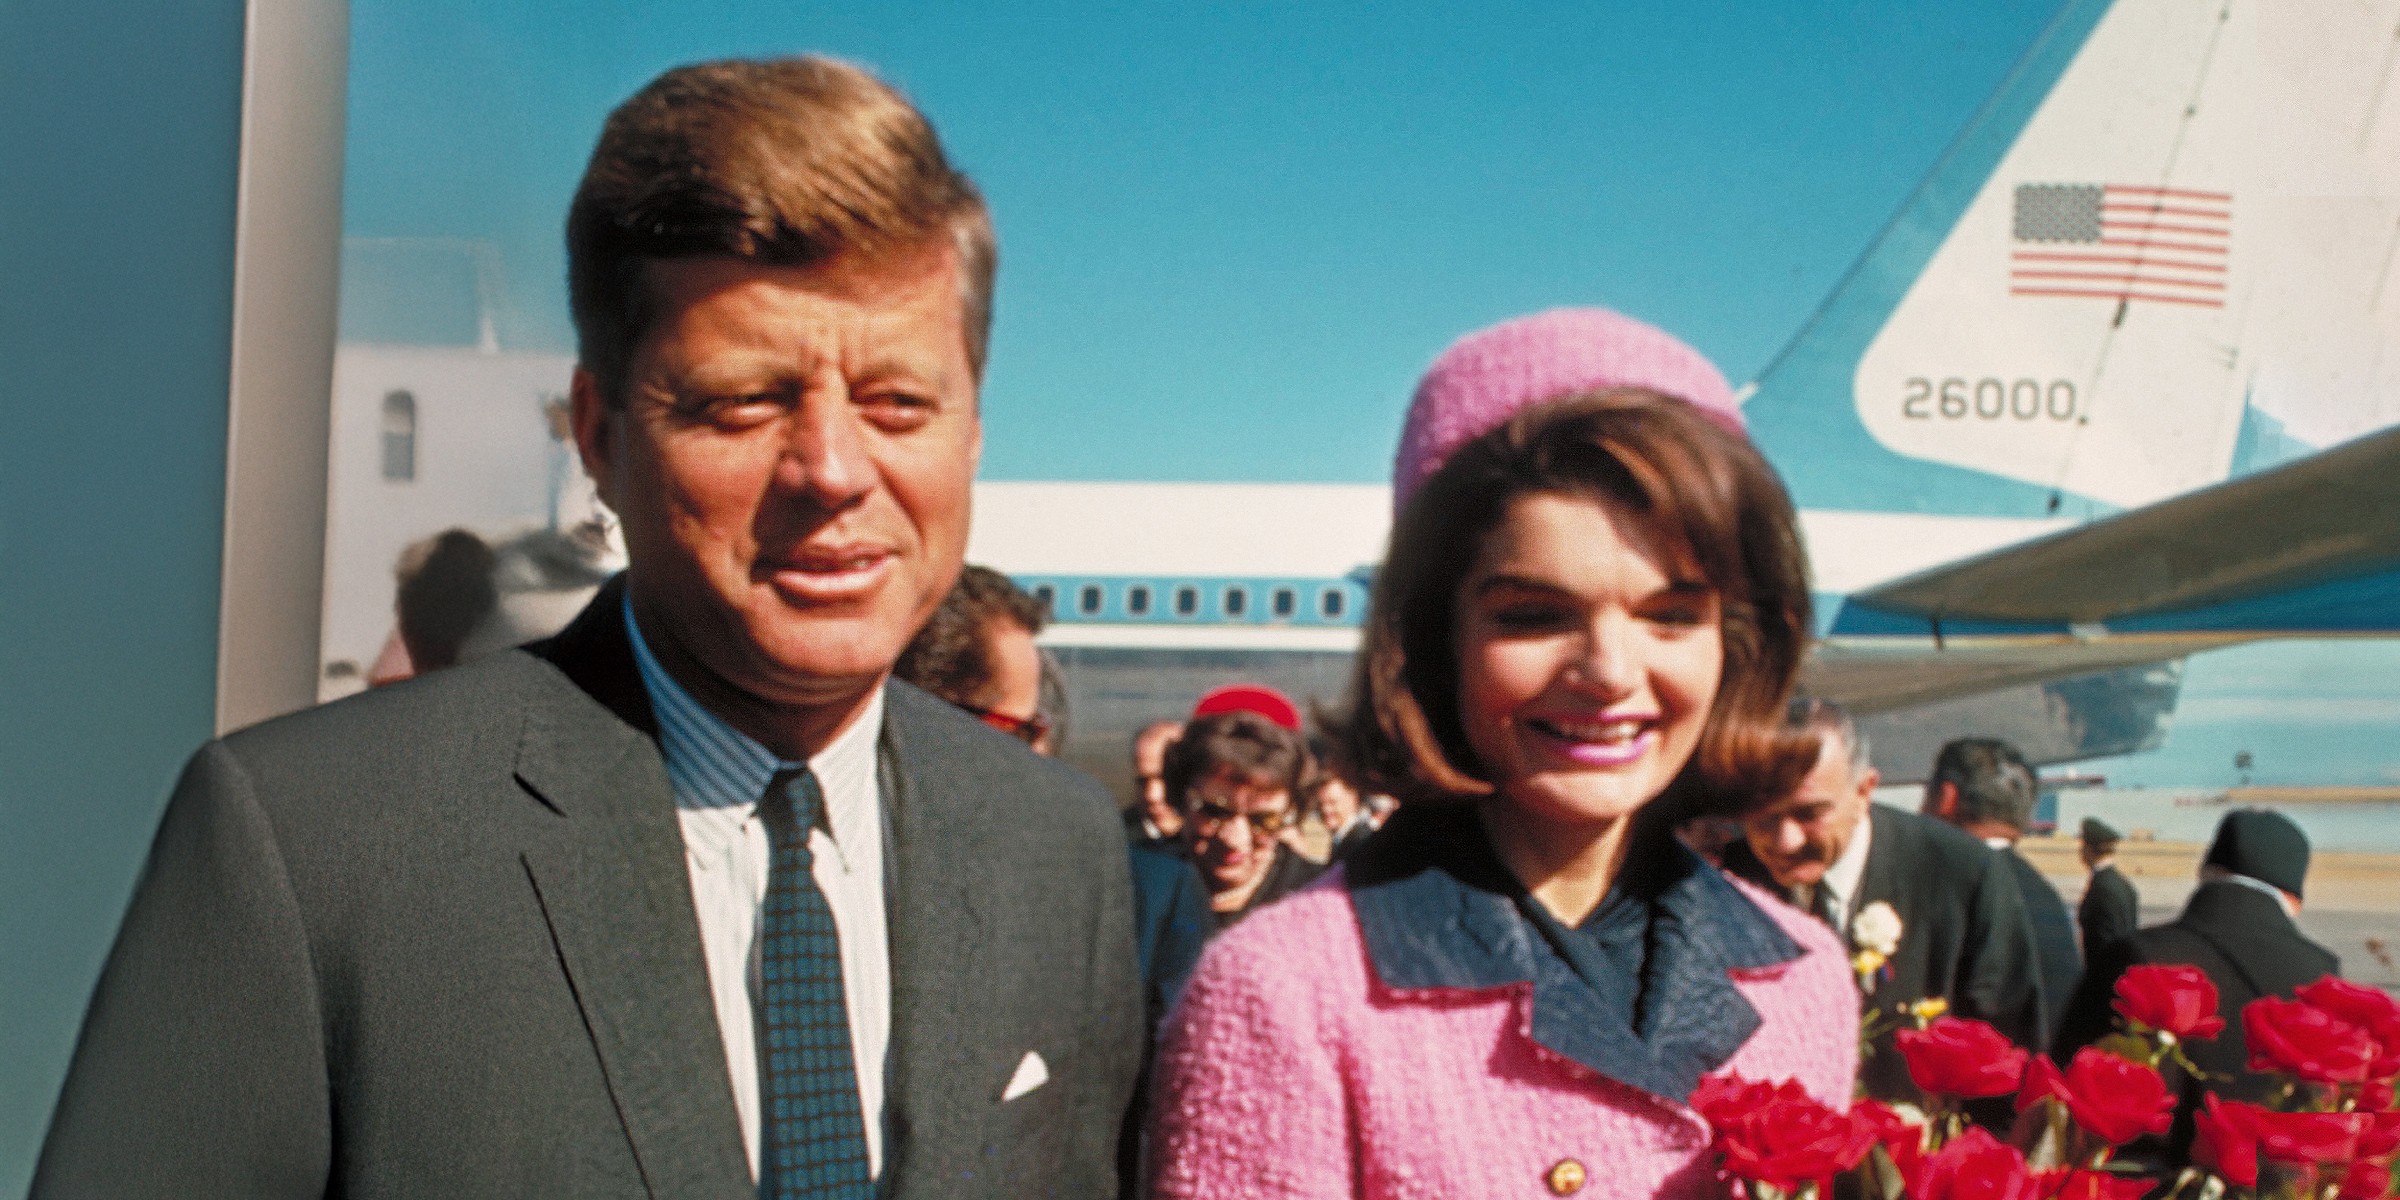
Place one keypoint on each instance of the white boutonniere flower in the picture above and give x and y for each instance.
(1876, 928)
(1874, 935)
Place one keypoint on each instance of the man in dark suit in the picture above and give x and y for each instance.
(1347, 825)
(2238, 929)
(1931, 912)
(977, 652)
(1983, 786)
(1153, 820)
(2111, 909)
(550, 922)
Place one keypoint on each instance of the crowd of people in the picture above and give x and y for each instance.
(691, 898)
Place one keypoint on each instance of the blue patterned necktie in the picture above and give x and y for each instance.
(813, 1139)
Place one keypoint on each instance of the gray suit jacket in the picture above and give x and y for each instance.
(1964, 935)
(438, 940)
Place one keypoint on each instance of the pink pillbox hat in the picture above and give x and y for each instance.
(1486, 376)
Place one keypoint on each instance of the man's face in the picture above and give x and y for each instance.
(1149, 761)
(1799, 836)
(1015, 690)
(1336, 804)
(791, 463)
(1230, 824)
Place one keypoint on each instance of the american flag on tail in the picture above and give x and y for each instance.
(2121, 242)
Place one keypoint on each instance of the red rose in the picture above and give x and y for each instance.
(2301, 1039)
(2366, 1181)
(2310, 1138)
(1957, 1057)
(1973, 1167)
(2068, 1183)
(2177, 1000)
(2042, 1082)
(2379, 1135)
(1902, 1139)
(2378, 1095)
(2370, 1009)
(1791, 1139)
(2116, 1099)
(1721, 1098)
(2228, 1139)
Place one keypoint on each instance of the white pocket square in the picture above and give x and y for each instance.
(1031, 1073)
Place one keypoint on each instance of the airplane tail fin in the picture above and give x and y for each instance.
(2162, 253)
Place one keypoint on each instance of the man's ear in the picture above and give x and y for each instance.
(1868, 780)
(1945, 800)
(595, 427)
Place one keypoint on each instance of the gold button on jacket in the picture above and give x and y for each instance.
(1566, 1178)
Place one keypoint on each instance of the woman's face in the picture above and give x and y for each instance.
(1587, 661)
(1230, 826)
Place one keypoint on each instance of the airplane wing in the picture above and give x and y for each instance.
(2311, 548)
(2329, 516)
(1869, 676)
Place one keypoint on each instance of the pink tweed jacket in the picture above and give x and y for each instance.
(1290, 1068)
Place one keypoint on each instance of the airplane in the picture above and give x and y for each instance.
(2114, 386)
(2046, 435)
(2152, 275)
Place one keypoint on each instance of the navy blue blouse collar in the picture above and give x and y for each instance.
(1438, 911)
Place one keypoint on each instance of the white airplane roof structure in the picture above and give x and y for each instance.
(1244, 530)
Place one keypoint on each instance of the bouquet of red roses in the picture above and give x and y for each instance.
(2329, 1132)
(2330, 1129)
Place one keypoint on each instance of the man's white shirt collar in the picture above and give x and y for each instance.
(2261, 886)
(1842, 875)
(719, 770)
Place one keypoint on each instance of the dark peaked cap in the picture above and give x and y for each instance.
(2263, 845)
(2097, 830)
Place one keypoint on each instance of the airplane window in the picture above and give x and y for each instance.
(399, 436)
(1048, 596)
(1330, 603)
(1088, 600)
(1285, 602)
(1237, 601)
(1187, 601)
(1137, 600)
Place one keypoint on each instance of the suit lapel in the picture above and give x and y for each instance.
(613, 888)
(939, 937)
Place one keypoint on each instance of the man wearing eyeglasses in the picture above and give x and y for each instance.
(1234, 774)
(977, 652)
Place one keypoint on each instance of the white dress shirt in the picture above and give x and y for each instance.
(1840, 883)
(718, 775)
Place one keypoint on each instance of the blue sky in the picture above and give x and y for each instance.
(1233, 235)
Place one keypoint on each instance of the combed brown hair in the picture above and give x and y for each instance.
(1261, 752)
(1703, 493)
(788, 161)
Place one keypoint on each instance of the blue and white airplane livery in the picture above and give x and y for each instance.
(2116, 385)
(2160, 258)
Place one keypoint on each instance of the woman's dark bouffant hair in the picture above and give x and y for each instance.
(1703, 492)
